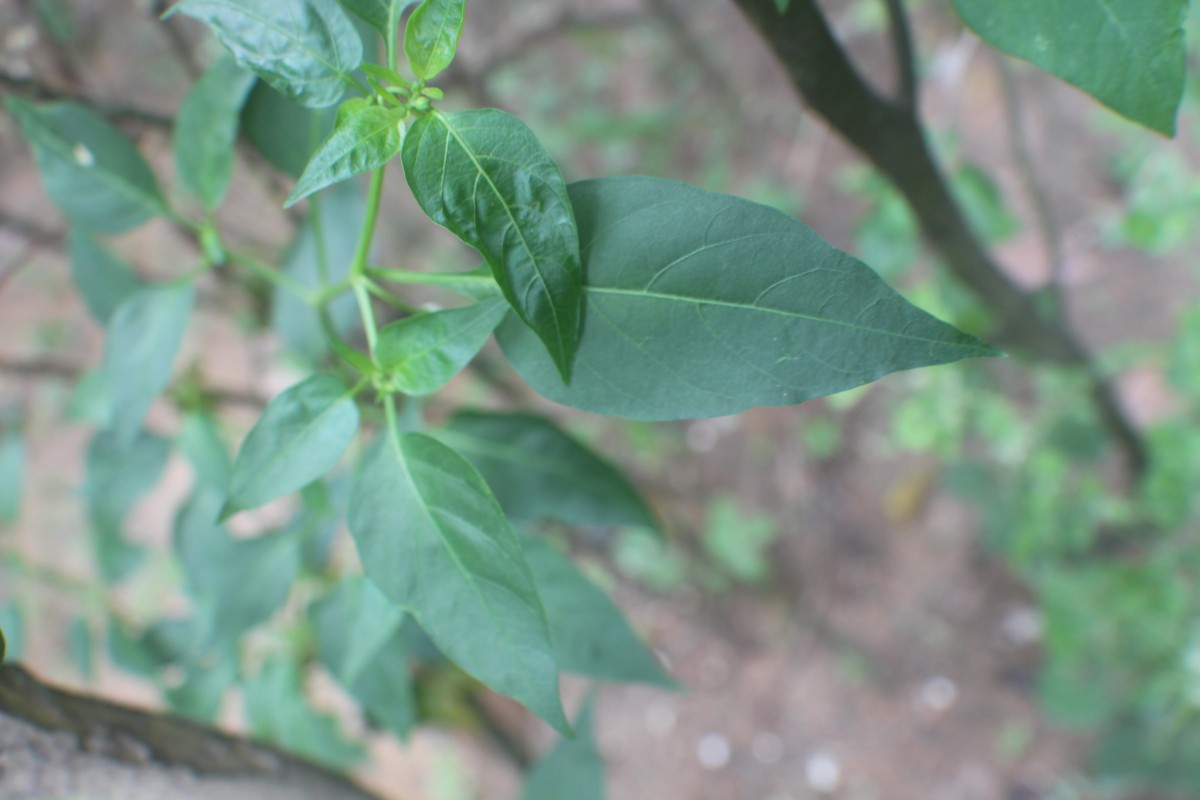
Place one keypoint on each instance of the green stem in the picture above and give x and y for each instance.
(270, 274)
(449, 279)
(359, 264)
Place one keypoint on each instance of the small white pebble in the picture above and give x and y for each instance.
(82, 155)
(767, 748)
(660, 720)
(939, 693)
(1022, 625)
(713, 751)
(822, 773)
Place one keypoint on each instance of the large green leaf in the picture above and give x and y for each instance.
(92, 173)
(574, 769)
(307, 49)
(701, 305)
(359, 640)
(431, 36)
(1128, 54)
(325, 245)
(144, 335)
(12, 474)
(103, 279)
(364, 138)
(421, 353)
(382, 15)
(434, 539)
(591, 636)
(206, 129)
(485, 177)
(537, 471)
(300, 436)
(287, 133)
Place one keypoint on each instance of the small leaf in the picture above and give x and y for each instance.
(364, 138)
(144, 335)
(93, 174)
(431, 36)
(307, 49)
(200, 442)
(286, 133)
(382, 15)
(206, 130)
(12, 632)
(1128, 54)
(203, 688)
(12, 475)
(702, 305)
(537, 471)
(300, 436)
(574, 768)
(485, 177)
(421, 353)
(118, 474)
(79, 646)
(102, 279)
(590, 634)
(434, 539)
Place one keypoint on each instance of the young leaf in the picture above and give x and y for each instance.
(102, 279)
(537, 471)
(144, 335)
(206, 129)
(573, 769)
(485, 177)
(300, 436)
(93, 174)
(286, 133)
(431, 36)
(307, 49)
(12, 475)
(382, 15)
(1128, 54)
(591, 636)
(702, 305)
(434, 539)
(421, 353)
(365, 137)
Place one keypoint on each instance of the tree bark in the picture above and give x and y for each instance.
(57, 744)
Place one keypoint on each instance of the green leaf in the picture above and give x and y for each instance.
(365, 137)
(702, 305)
(431, 36)
(591, 636)
(206, 130)
(300, 436)
(102, 279)
(537, 471)
(118, 474)
(573, 769)
(1128, 54)
(235, 583)
(203, 687)
(334, 220)
(79, 647)
(421, 353)
(278, 711)
(359, 640)
(782, 5)
(738, 541)
(382, 15)
(200, 442)
(286, 133)
(12, 475)
(12, 632)
(307, 49)
(983, 201)
(93, 174)
(144, 335)
(434, 539)
(485, 177)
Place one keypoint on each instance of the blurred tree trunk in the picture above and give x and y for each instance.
(54, 744)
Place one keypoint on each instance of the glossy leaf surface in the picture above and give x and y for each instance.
(573, 769)
(206, 130)
(537, 471)
(421, 353)
(144, 335)
(365, 137)
(102, 279)
(485, 177)
(432, 34)
(1128, 54)
(300, 436)
(434, 539)
(93, 174)
(591, 636)
(702, 305)
(306, 49)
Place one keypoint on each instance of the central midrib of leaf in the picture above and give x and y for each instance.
(537, 270)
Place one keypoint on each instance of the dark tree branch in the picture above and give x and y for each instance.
(904, 55)
(891, 137)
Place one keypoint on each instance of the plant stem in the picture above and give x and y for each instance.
(359, 265)
(449, 279)
(270, 274)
